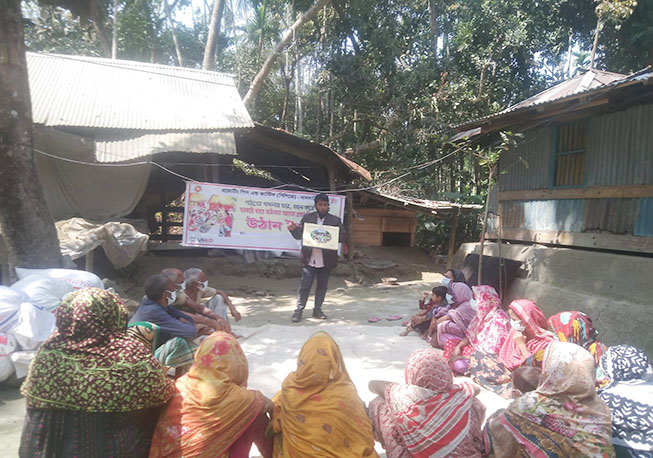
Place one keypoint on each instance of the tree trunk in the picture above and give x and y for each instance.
(299, 109)
(599, 26)
(214, 35)
(269, 61)
(433, 25)
(114, 36)
(25, 221)
(174, 33)
(102, 38)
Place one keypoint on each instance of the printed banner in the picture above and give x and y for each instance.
(225, 216)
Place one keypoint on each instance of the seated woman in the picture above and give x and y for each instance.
(213, 414)
(92, 390)
(436, 307)
(564, 417)
(629, 395)
(486, 333)
(454, 323)
(453, 276)
(318, 412)
(524, 345)
(428, 416)
(576, 327)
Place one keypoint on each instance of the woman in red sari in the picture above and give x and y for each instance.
(428, 416)
(524, 346)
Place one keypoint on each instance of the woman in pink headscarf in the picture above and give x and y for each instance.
(454, 324)
(486, 333)
(524, 346)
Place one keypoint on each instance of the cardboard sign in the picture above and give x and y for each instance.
(321, 236)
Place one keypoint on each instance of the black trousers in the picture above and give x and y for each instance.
(308, 274)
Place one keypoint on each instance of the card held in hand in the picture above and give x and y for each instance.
(321, 236)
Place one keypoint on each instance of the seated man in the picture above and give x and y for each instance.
(197, 289)
(176, 329)
(196, 310)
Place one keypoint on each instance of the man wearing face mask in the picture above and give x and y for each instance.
(176, 329)
(316, 262)
(198, 291)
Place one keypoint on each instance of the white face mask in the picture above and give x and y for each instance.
(445, 281)
(203, 285)
(473, 304)
(173, 297)
(449, 298)
(517, 325)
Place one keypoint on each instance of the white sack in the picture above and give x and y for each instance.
(10, 301)
(34, 326)
(7, 347)
(78, 279)
(21, 360)
(44, 292)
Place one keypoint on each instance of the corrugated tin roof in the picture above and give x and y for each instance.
(101, 93)
(588, 83)
(118, 146)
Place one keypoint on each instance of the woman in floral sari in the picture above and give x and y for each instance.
(564, 417)
(318, 412)
(454, 324)
(92, 390)
(486, 333)
(213, 414)
(576, 327)
(524, 345)
(428, 416)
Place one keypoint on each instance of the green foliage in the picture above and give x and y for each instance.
(378, 83)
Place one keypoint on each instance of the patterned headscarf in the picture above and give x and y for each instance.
(145, 332)
(432, 414)
(318, 411)
(533, 318)
(629, 396)
(90, 364)
(564, 413)
(576, 327)
(212, 407)
(488, 330)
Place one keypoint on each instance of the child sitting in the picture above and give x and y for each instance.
(436, 307)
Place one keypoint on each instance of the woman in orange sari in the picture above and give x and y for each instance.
(213, 413)
(318, 412)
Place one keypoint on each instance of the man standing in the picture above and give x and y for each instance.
(316, 262)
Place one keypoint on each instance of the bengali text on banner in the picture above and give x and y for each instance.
(226, 216)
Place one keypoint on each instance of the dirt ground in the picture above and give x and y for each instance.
(264, 292)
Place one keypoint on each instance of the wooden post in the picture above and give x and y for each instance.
(452, 238)
(332, 177)
(88, 266)
(350, 226)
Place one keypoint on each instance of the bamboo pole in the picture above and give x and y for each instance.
(452, 238)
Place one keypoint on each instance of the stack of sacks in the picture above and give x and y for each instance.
(78, 279)
(27, 312)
